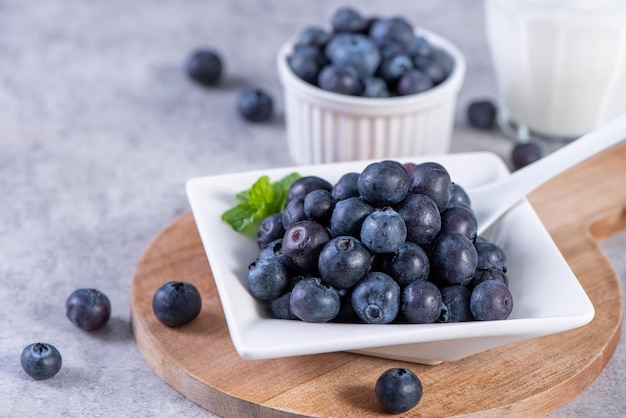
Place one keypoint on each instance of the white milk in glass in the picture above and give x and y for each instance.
(560, 65)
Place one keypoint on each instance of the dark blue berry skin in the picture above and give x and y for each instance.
(302, 244)
(273, 249)
(176, 303)
(41, 360)
(267, 278)
(398, 390)
(421, 216)
(459, 197)
(459, 219)
(348, 216)
(394, 67)
(525, 153)
(304, 185)
(490, 255)
(340, 80)
(383, 183)
(491, 300)
(293, 212)
(312, 300)
(394, 29)
(376, 298)
(348, 20)
(421, 302)
(306, 63)
(488, 274)
(88, 309)
(457, 302)
(383, 231)
(433, 180)
(280, 307)
(343, 262)
(319, 205)
(413, 82)
(270, 229)
(453, 259)
(346, 186)
(255, 105)
(356, 51)
(204, 66)
(481, 114)
(407, 264)
(375, 87)
(313, 36)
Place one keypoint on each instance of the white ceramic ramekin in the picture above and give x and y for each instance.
(325, 127)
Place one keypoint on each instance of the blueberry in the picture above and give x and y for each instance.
(306, 184)
(293, 212)
(383, 183)
(270, 229)
(421, 217)
(375, 87)
(267, 278)
(346, 186)
(383, 231)
(413, 82)
(176, 303)
(459, 197)
(439, 66)
(433, 180)
(421, 302)
(255, 105)
(481, 275)
(407, 264)
(525, 153)
(398, 390)
(348, 216)
(394, 29)
(307, 63)
(204, 66)
(280, 307)
(491, 300)
(422, 52)
(312, 300)
(457, 302)
(88, 309)
(376, 298)
(453, 259)
(459, 219)
(347, 19)
(339, 80)
(41, 360)
(273, 249)
(481, 114)
(343, 261)
(319, 205)
(302, 244)
(490, 255)
(313, 36)
(394, 67)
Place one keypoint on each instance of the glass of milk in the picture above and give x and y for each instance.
(560, 65)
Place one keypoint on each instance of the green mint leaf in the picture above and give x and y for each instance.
(240, 216)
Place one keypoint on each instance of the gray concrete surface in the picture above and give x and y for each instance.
(100, 129)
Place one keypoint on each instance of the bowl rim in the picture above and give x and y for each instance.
(439, 93)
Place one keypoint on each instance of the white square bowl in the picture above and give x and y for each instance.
(547, 296)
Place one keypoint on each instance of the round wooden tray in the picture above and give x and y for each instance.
(531, 378)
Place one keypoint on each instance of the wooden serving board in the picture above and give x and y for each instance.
(530, 378)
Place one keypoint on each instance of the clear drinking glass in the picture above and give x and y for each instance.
(560, 65)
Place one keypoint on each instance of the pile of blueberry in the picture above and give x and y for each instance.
(370, 57)
(393, 243)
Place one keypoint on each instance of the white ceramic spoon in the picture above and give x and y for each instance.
(494, 199)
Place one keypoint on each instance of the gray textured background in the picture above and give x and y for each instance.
(100, 129)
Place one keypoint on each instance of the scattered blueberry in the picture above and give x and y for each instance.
(398, 390)
(204, 66)
(481, 114)
(176, 303)
(88, 309)
(525, 153)
(41, 360)
(255, 105)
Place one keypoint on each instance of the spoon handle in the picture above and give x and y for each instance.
(492, 200)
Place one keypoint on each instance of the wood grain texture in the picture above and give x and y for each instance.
(530, 378)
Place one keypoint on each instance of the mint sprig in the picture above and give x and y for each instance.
(262, 199)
